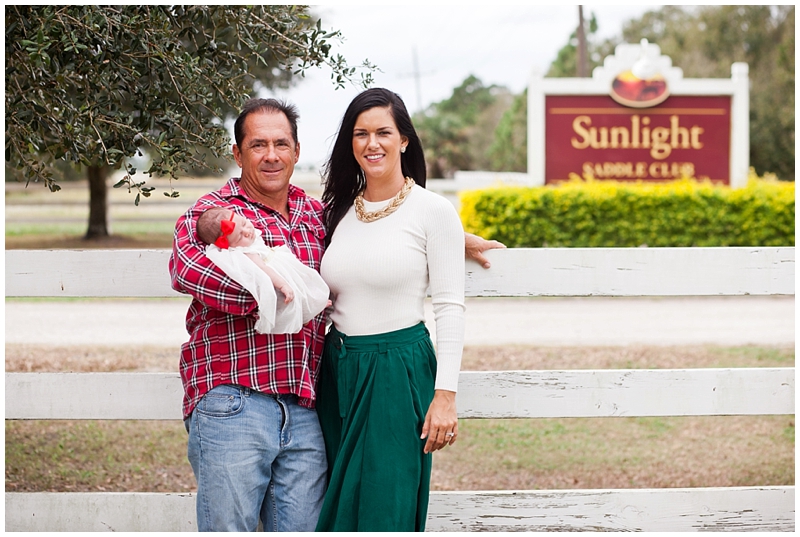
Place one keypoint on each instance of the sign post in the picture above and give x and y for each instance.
(637, 118)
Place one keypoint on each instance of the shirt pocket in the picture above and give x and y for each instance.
(313, 226)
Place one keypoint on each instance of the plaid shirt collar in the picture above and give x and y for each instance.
(296, 198)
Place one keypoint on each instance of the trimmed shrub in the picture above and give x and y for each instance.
(616, 214)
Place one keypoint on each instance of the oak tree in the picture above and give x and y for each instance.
(95, 85)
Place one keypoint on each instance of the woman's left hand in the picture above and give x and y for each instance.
(441, 421)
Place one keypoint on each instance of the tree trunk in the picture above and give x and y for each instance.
(98, 202)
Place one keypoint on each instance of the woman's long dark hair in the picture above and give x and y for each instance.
(344, 178)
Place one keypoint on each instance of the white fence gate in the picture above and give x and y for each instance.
(507, 394)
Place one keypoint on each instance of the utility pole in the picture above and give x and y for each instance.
(417, 77)
(583, 68)
(416, 81)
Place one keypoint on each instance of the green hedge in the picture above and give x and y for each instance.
(612, 214)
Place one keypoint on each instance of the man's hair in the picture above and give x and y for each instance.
(209, 224)
(265, 105)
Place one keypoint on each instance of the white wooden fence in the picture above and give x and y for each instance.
(508, 394)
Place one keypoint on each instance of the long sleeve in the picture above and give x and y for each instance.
(379, 274)
(445, 251)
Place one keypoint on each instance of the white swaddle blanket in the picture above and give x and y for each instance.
(274, 316)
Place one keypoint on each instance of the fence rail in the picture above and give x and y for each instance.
(507, 394)
(515, 272)
(693, 509)
(481, 394)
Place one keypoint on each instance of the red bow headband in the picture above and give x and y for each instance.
(226, 227)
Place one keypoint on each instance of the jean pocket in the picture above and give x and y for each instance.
(221, 402)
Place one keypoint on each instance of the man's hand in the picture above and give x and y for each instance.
(475, 246)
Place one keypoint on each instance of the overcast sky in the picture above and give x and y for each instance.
(500, 45)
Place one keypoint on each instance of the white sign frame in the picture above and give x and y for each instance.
(625, 55)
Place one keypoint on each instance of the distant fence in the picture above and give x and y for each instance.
(506, 394)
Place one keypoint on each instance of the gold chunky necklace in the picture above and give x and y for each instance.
(395, 202)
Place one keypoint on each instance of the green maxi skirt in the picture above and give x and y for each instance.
(372, 397)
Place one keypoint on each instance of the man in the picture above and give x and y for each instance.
(255, 445)
(254, 440)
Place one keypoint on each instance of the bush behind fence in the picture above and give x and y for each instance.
(614, 214)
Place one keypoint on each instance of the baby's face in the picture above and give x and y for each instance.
(243, 233)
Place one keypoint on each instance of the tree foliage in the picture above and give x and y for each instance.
(508, 152)
(458, 132)
(96, 85)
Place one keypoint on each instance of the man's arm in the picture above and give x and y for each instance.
(475, 246)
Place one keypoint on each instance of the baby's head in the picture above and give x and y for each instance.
(225, 228)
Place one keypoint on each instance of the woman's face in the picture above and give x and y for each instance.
(377, 143)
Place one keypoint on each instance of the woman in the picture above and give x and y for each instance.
(385, 401)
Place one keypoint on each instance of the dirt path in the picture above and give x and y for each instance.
(589, 321)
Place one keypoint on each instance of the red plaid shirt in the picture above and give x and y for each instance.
(223, 346)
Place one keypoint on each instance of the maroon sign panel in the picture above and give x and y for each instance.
(593, 136)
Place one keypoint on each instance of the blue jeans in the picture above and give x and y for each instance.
(255, 457)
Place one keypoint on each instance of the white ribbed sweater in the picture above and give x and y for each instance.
(379, 274)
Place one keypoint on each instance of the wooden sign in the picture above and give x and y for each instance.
(638, 119)
(594, 136)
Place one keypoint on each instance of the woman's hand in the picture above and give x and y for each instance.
(475, 246)
(441, 421)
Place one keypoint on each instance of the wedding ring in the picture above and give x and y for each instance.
(449, 434)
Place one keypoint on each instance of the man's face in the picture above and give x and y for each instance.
(267, 156)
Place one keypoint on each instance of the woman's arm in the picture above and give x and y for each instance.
(445, 253)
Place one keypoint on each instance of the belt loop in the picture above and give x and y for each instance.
(382, 347)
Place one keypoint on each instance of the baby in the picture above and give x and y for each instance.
(235, 246)
(237, 231)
